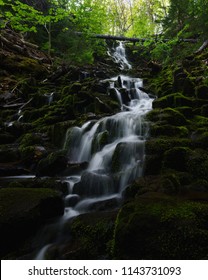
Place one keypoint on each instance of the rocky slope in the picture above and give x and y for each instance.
(165, 213)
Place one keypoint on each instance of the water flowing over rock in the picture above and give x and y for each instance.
(113, 147)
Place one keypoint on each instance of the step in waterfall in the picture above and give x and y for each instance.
(113, 148)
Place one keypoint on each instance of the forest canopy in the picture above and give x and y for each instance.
(53, 23)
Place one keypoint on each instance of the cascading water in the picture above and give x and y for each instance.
(113, 147)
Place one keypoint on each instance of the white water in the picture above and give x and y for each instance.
(113, 146)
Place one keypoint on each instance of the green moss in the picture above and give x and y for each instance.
(19, 201)
(202, 92)
(91, 236)
(201, 121)
(100, 141)
(177, 158)
(168, 130)
(30, 139)
(167, 116)
(162, 144)
(158, 227)
(172, 100)
(198, 164)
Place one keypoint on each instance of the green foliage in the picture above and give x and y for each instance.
(187, 18)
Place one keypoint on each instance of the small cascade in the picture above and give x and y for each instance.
(113, 147)
(119, 56)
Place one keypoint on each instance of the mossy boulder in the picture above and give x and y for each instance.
(91, 236)
(6, 138)
(100, 141)
(162, 144)
(58, 132)
(52, 165)
(197, 164)
(202, 92)
(23, 65)
(158, 130)
(177, 158)
(9, 153)
(156, 226)
(23, 211)
(94, 184)
(172, 100)
(167, 116)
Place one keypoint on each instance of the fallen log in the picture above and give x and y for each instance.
(123, 38)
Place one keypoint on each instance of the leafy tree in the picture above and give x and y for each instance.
(187, 18)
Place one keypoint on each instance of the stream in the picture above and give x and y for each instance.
(113, 149)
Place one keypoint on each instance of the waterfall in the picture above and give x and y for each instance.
(119, 56)
(113, 147)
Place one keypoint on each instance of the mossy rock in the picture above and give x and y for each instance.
(186, 111)
(9, 154)
(39, 183)
(157, 130)
(197, 164)
(52, 165)
(179, 78)
(204, 110)
(189, 87)
(24, 65)
(200, 122)
(6, 138)
(172, 100)
(23, 211)
(171, 183)
(177, 158)
(91, 236)
(200, 138)
(155, 226)
(202, 92)
(167, 116)
(100, 141)
(57, 132)
(30, 139)
(162, 144)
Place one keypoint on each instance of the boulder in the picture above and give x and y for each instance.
(22, 213)
(158, 227)
(202, 92)
(52, 165)
(94, 184)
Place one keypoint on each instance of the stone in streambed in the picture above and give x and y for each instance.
(94, 184)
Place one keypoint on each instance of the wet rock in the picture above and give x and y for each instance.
(13, 171)
(23, 211)
(9, 153)
(74, 168)
(104, 205)
(91, 236)
(52, 165)
(94, 184)
(71, 200)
